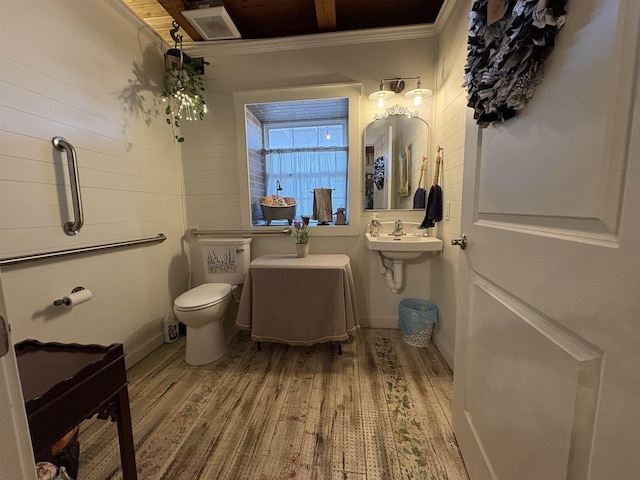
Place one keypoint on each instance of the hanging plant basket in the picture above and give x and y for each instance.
(183, 89)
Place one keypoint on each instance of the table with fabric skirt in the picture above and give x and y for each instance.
(299, 301)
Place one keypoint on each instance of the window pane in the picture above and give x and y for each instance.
(332, 136)
(304, 148)
(280, 138)
(299, 173)
(305, 137)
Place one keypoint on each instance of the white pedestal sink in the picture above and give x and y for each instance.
(397, 249)
(405, 247)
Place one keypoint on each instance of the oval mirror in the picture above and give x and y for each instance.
(395, 149)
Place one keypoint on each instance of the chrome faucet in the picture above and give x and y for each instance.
(397, 229)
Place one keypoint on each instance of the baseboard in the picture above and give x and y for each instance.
(448, 357)
(379, 322)
(139, 352)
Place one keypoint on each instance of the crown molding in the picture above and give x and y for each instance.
(447, 9)
(329, 39)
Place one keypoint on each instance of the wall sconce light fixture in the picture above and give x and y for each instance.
(381, 95)
(396, 85)
(418, 94)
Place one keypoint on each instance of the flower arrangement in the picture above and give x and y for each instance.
(183, 89)
(301, 232)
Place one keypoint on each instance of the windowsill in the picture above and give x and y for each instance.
(315, 230)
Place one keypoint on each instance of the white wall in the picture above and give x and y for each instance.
(450, 112)
(210, 150)
(83, 71)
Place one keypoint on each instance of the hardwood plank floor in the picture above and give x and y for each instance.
(381, 410)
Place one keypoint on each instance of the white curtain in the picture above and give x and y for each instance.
(300, 170)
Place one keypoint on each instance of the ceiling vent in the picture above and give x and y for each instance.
(212, 23)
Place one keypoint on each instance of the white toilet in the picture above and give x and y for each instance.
(202, 309)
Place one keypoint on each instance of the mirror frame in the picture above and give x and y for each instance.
(416, 154)
(353, 92)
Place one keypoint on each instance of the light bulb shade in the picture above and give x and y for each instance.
(419, 92)
(381, 94)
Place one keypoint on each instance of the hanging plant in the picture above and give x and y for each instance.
(183, 86)
(183, 91)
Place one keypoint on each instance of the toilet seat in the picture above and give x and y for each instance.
(203, 296)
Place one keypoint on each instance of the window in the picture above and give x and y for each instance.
(301, 156)
(292, 141)
(296, 148)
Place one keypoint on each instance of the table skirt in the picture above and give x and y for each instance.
(299, 301)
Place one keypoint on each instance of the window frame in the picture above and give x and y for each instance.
(351, 91)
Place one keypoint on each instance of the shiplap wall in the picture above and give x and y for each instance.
(84, 71)
(450, 130)
(210, 155)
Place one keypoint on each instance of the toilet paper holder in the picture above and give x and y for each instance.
(65, 300)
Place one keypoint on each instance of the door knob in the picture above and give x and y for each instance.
(461, 242)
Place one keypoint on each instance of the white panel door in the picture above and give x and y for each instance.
(547, 382)
(16, 455)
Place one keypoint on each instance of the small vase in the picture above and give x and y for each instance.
(302, 249)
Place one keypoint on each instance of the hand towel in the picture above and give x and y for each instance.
(434, 201)
(434, 208)
(420, 197)
(322, 208)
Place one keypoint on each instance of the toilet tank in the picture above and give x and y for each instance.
(225, 260)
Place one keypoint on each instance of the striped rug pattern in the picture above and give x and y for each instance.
(381, 410)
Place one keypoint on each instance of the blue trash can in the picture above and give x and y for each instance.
(416, 319)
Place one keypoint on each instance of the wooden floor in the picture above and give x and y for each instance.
(381, 410)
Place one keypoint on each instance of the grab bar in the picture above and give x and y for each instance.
(72, 228)
(74, 251)
(242, 233)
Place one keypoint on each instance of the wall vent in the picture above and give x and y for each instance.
(213, 23)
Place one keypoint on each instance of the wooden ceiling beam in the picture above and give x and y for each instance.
(175, 9)
(326, 15)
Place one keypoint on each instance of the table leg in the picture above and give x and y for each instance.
(339, 348)
(258, 345)
(125, 435)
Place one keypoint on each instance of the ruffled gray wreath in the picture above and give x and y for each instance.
(505, 59)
